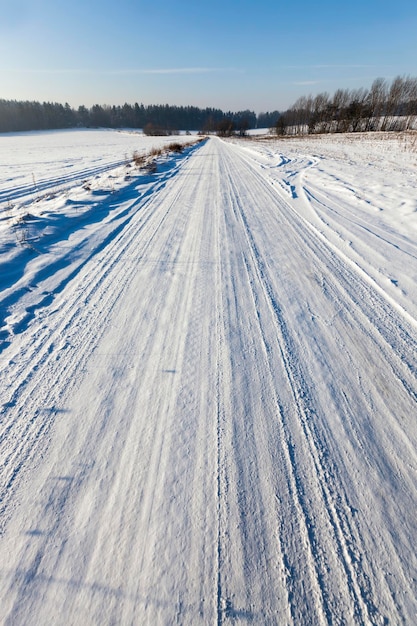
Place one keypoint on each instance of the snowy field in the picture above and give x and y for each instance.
(34, 162)
(208, 380)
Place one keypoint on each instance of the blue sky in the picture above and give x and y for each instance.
(233, 55)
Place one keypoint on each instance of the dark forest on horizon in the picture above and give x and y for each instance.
(18, 116)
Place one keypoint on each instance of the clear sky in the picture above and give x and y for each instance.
(233, 55)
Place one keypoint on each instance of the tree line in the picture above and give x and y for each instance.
(384, 107)
(155, 119)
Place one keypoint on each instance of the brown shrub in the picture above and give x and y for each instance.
(138, 159)
(175, 147)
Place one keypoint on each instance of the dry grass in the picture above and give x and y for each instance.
(176, 147)
(156, 152)
(138, 159)
(147, 161)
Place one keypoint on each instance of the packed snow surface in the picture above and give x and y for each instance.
(208, 381)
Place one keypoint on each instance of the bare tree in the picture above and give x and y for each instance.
(317, 123)
(376, 102)
(410, 102)
(357, 110)
(341, 100)
(392, 105)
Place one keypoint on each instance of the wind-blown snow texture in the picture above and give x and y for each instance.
(208, 383)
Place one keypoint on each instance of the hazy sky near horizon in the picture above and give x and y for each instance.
(233, 55)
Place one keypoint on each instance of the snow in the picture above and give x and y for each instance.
(208, 380)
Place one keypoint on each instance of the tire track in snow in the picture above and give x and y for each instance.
(250, 568)
(55, 184)
(345, 532)
(297, 514)
(177, 257)
(67, 329)
(304, 406)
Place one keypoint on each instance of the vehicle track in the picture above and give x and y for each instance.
(53, 185)
(63, 342)
(375, 319)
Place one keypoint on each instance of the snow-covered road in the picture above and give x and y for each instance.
(209, 410)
